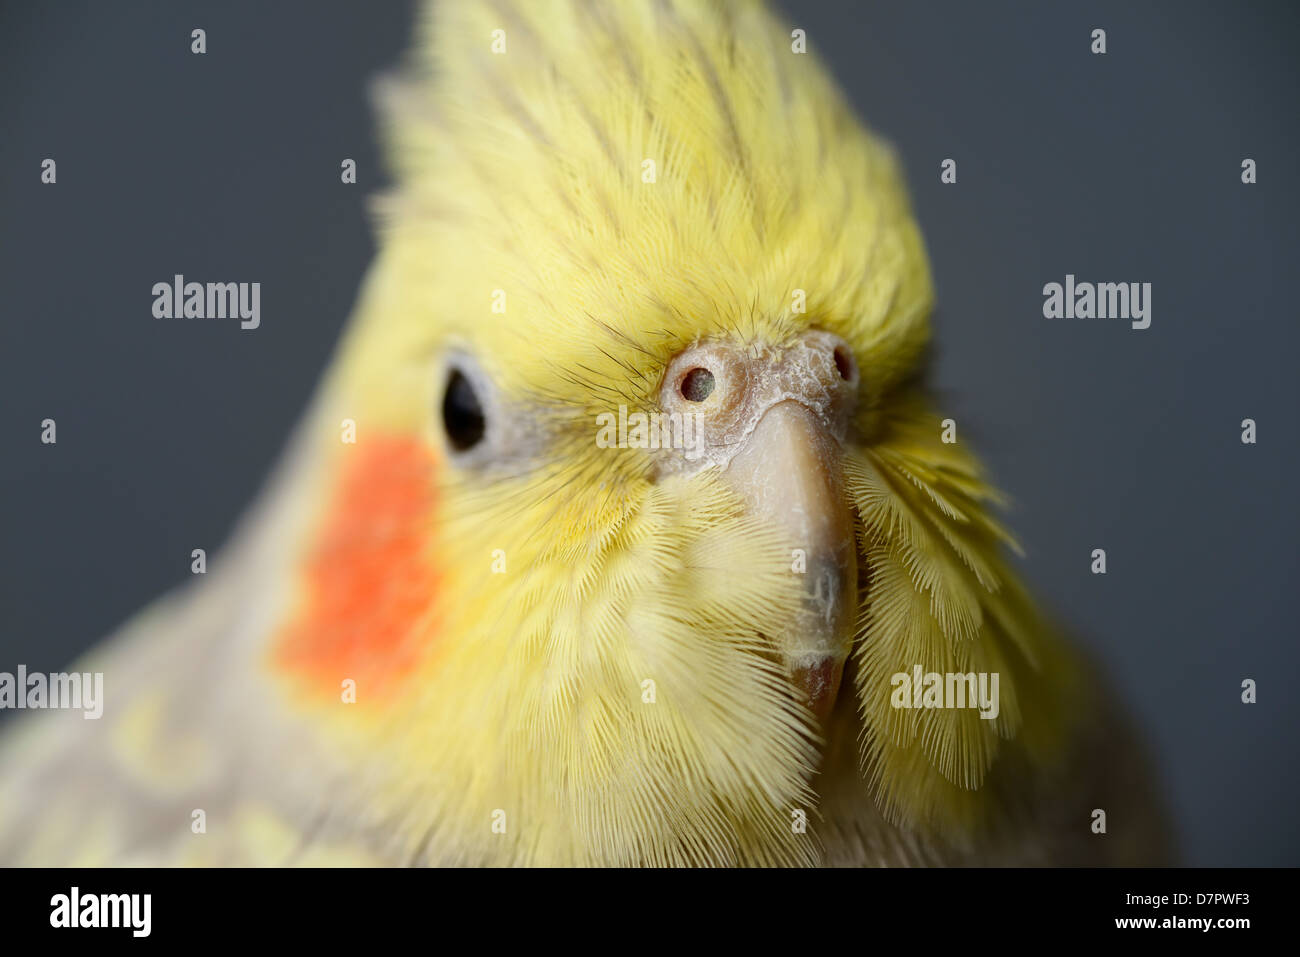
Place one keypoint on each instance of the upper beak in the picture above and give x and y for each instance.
(788, 472)
(775, 423)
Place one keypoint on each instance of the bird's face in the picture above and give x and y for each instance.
(652, 584)
(638, 470)
(623, 602)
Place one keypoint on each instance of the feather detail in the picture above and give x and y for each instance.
(941, 596)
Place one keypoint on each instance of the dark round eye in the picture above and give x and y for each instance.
(462, 414)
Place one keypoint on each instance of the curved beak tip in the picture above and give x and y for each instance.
(818, 684)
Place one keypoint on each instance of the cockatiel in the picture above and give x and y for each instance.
(622, 529)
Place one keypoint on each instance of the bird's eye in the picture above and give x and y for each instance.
(462, 413)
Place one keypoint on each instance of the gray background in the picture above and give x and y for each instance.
(1123, 167)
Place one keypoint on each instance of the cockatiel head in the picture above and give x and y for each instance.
(570, 644)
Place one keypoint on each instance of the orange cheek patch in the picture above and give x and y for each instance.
(369, 581)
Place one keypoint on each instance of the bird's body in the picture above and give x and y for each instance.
(568, 653)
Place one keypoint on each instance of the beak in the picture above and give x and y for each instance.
(788, 472)
(774, 424)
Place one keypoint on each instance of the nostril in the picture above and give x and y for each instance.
(844, 363)
(697, 385)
